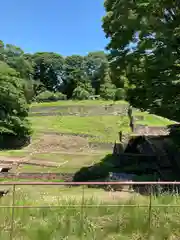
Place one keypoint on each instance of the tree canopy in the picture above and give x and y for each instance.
(74, 76)
(145, 45)
(13, 108)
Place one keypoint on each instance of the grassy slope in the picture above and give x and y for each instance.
(104, 128)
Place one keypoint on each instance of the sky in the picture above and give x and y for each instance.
(63, 26)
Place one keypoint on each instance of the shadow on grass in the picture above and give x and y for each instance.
(13, 142)
(100, 172)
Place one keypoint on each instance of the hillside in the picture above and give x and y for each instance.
(64, 137)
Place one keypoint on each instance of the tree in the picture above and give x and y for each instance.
(1, 50)
(14, 108)
(14, 57)
(93, 66)
(152, 66)
(48, 69)
(74, 74)
(107, 89)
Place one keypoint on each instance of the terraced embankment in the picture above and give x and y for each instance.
(64, 177)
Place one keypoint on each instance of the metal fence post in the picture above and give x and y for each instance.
(150, 212)
(82, 213)
(12, 215)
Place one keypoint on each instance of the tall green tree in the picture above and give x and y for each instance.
(48, 69)
(14, 57)
(145, 44)
(73, 74)
(13, 108)
(106, 88)
(1, 50)
(94, 63)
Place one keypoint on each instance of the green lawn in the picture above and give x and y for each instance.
(105, 128)
(14, 153)
(76, 103)
(154, 120)
(68, 163)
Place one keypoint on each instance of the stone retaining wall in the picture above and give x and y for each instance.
(68, 177)
(80, 110)
(149, 130)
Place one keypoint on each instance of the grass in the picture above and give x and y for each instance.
(154, 120)
(83, 222)
(74, 162)
(101, 221)
(14, 153)
(103, 128)
(29, 180)
(76, 103)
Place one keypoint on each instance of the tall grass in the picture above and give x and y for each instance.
(70, 221)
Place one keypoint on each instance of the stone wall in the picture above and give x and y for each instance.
(149, 130)
(67, 177)
(113, 109)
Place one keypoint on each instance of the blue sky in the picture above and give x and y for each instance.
(67, 27)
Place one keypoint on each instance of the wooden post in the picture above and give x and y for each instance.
(120, 136)
(131, 118)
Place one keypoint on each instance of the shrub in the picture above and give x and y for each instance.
(48, 96)
(107, 91)
(80, 93)
(120, 94)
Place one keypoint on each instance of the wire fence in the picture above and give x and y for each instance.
(82, 205)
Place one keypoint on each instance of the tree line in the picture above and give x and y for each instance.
(49, 75)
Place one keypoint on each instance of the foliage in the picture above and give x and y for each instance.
(14, 108)
(107, 89)
(48, 96)
(75, 76)
(144, 44)
(94, 62)
(80, 93)
(120, 94)
(48, 69)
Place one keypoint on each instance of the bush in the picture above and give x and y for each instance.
(80, 93)
(120, 94)
(107, 91)
(48, 96)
